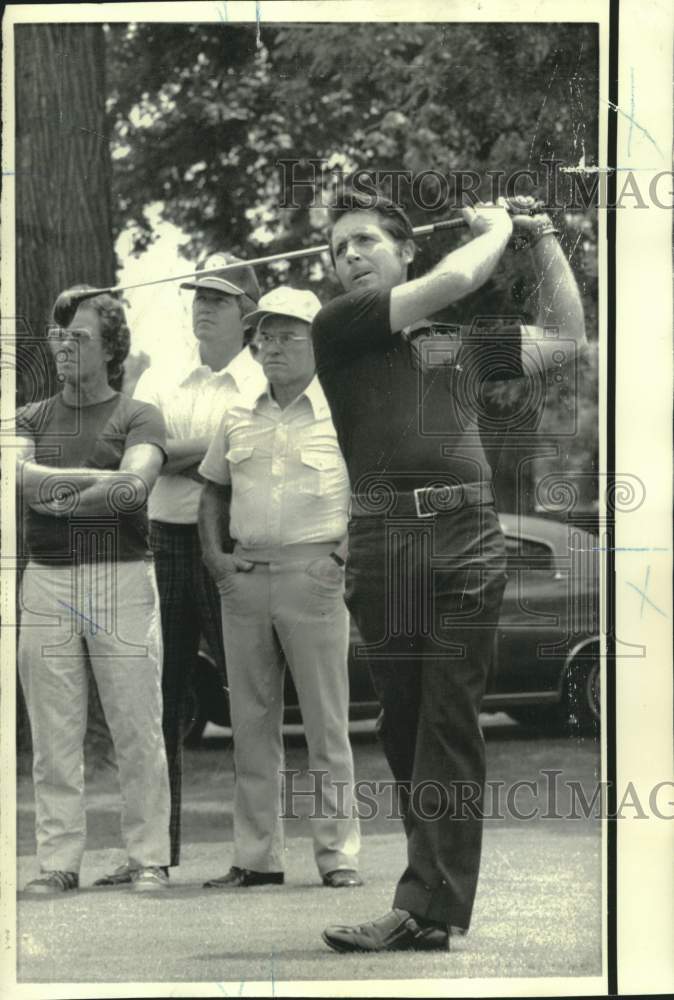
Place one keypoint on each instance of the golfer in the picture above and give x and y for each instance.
(426, 561)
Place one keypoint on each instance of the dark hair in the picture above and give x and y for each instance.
(393, 218)
(115, 334)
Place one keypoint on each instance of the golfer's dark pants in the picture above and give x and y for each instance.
(190, 607)
(425, 595)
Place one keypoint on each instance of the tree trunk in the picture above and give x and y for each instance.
(63, 218)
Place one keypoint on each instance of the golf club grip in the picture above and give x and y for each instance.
(460, 223)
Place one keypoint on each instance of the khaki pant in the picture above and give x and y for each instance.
(291, 603)
(110, 612)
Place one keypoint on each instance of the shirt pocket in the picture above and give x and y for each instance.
(241, 468)
(318, 471)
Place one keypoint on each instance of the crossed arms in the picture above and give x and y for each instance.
(58, 491)
(184, 456)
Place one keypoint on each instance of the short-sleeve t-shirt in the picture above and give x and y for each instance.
(93, 437)
(405, 410)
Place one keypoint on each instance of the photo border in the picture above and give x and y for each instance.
(619, 954)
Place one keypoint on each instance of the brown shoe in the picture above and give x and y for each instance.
(342, 878)
(395, 931)
(121, 876)
(244, 878)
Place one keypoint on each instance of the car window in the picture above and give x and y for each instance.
(525, 553)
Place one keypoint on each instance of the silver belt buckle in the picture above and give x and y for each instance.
(417, 501)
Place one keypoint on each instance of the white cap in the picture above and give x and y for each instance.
(238, 280)
(286, 301)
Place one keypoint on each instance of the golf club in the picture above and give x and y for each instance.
(70, 299)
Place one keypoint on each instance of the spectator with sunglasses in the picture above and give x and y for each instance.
(272, 521)
(87, 460)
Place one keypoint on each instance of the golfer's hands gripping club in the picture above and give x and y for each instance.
(525, 217)
(489, 220)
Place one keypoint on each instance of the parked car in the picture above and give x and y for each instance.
(545, 668)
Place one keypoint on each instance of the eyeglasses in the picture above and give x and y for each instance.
(59, 334)
(280, 339)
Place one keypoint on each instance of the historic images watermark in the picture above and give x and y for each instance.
(548, 797)
(315, 183)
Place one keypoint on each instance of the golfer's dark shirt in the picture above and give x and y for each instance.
(405, 411)
(93, 437)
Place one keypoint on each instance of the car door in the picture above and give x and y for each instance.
(533, 619)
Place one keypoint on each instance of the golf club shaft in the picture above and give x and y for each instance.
(433, 227)
(205, 272)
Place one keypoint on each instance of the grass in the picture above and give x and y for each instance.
(537, 913)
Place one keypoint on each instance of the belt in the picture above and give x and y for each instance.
(426, 501)
(174, 527)
(285, 553)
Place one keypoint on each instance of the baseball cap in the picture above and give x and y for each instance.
(286, 301)
(234, 281)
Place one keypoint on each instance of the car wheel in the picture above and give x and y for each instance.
(581, 696)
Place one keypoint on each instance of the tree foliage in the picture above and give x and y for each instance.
(202, 113)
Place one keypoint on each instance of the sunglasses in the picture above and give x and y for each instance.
(58, 334)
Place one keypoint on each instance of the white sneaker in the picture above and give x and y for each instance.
(150, 879)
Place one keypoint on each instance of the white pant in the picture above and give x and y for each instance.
(111, 612)
(292, 604)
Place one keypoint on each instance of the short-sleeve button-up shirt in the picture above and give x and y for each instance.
(288, 478)
(192, 400)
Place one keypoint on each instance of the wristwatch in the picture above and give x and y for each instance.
(522, 241)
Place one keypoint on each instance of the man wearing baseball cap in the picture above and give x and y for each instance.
(192, 399)
(272, 521)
